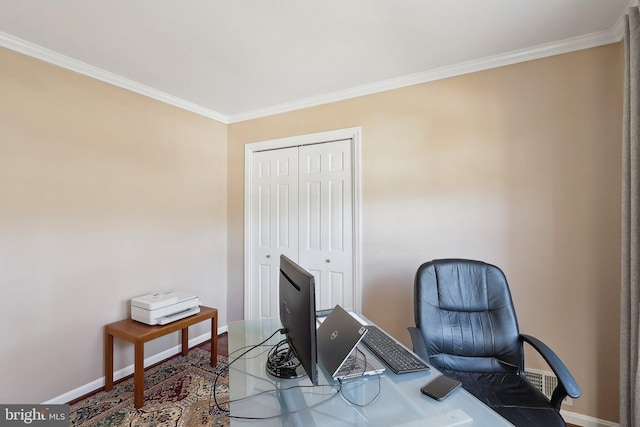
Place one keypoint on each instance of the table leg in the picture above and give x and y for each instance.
(108, 361)
(138, 375)
(185, 341)
(214, 340)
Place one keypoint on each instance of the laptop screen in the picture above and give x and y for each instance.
(337, 336)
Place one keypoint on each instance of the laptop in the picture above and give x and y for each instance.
(338, 337)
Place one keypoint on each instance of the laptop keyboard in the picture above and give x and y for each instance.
(352, 364)
(394, 355)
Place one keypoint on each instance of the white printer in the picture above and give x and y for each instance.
(163, 308)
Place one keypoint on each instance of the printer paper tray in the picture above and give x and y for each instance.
(177, 316)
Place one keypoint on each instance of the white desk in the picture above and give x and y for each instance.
(399, 403)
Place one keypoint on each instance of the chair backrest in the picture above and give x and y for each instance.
(465, 313)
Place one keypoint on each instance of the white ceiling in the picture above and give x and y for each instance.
(238, 59)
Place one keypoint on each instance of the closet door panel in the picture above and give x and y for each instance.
(274, 222)
(326, 242)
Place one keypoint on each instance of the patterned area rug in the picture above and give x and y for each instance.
(177, 393)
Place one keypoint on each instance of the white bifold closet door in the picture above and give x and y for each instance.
(301, 206)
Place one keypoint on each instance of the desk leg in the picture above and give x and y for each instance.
(108, 361)
(138, 375)
(185, 341)
(214, 340)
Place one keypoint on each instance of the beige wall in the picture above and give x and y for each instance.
(518, 166)
(104, 195)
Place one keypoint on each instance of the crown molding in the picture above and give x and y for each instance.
(537, 52)
(44, 54)
(514, 57)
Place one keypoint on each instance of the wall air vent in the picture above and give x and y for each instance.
(544, 381)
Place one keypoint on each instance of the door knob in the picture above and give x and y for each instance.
(328, 260)
(268, 256)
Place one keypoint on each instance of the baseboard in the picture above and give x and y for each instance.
(96, 384)
(585, 420)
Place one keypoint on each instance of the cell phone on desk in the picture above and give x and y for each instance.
(440, 387)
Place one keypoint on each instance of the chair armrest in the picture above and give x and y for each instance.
(567, 385)
(417, 341)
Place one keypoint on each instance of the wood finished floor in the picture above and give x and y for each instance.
(223, 344)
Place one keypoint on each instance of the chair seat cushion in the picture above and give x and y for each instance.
(511, 395)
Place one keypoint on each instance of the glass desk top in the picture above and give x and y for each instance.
(384, 400)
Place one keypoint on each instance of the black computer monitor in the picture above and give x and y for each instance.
(298, 317)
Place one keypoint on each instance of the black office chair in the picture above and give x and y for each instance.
(466, 327)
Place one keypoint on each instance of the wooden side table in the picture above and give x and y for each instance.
(139, 333)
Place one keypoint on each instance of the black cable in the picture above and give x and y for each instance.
(226, 368)
(274, 349)
(366, 365)
(277, 389)
(282, 361)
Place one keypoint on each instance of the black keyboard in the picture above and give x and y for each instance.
(394, 355)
